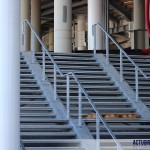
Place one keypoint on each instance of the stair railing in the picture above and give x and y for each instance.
(122, 52)
(81, 90)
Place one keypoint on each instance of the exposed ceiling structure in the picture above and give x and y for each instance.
(118, 9)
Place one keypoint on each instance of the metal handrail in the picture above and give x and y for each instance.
(137, 68)
(80, 87)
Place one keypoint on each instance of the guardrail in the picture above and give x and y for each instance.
(122, 52)
(81, 90)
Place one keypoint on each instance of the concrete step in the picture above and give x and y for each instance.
(105, 110)
(87, 82)
(53, 148)
(37, 115)
(103, 104)
(52, 142)
(90, 87)
(36, 109)
(98, 99)
(23, 81)
(29, 86)
(48, 135)
(43, 120)
(48, 63)
(67, 54)
(28, 97)
(31, 91)
(104, 92)
(34, 103)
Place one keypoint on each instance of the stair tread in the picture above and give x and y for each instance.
(54, 148)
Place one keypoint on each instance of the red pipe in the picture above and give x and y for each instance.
(147, 16)
(147, 3)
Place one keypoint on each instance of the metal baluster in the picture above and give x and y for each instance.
(68, 96)
(44, 76)
(137, 83)
(121, 66)
(107, 49)
(24, 36)
(55, 83)
(97, 132)
(33, 47)
(94, 34)
(80, 107)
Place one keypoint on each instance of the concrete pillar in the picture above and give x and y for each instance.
(36, 22)
(62, 26)
(9, 76)
(95, 15)
(51, 39)
(25, 14)
(81, 29)
(139, 24)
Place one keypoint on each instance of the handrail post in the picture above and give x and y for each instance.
(80, 107)
(137, 83)
(121, 66)
(24, 36)
(55, 83)
(68, 96)
(94, 34)
(97, 132)
(97, 127)
(43, 64)
(33, 47)
(107, 49)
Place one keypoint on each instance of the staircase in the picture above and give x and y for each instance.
(143, 61)
(40, 128)
(119, 113)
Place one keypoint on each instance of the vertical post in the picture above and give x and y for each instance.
(97, 127)
(107, 49)
(80, 107)
(121, 66)
(43, 58)
(33, 47)
(97, 132)
(137, 83)
(24, 36)
(68, 97)
(55, 83)
(94, 34)
(139, 24)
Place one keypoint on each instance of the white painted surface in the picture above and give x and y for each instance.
(9, 76)
(62, 30)
(95, 15)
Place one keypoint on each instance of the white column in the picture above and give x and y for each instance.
(9, 76)
(81, 29)
(51, 39)
(36, 22)
(95, 15)
(139, 24)
(25, 14)
(63, 26)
